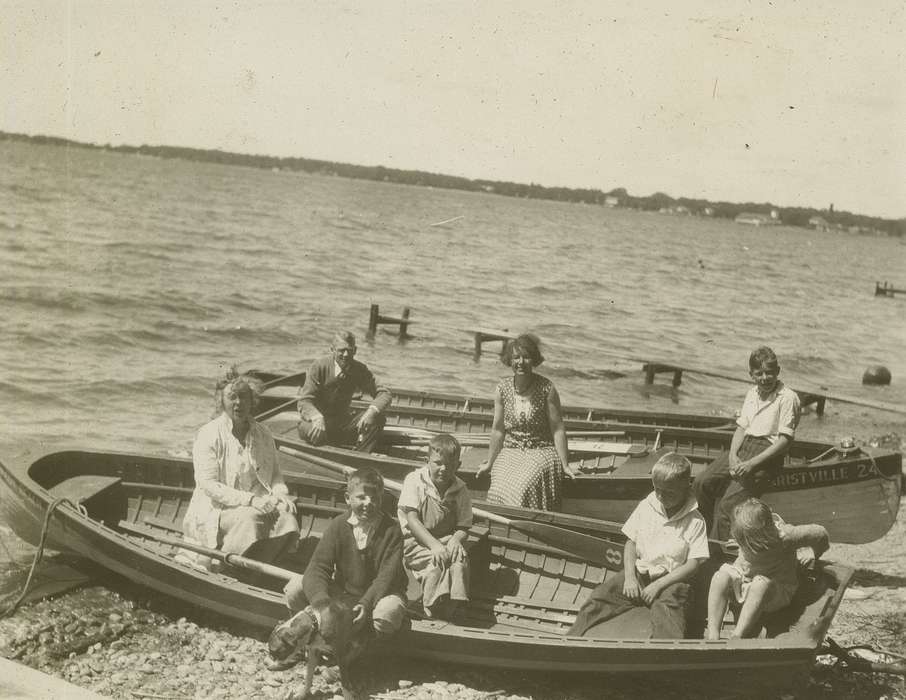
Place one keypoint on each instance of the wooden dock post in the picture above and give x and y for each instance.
(887, 290)
(483, 336)
(653, 368)
(807, 399)
(375, 319)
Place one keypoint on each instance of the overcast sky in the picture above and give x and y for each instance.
(797, 103)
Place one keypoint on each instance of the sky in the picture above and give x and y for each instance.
(796, 103)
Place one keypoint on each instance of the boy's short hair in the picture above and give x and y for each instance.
(446, 446)
(365, 477)
(672, 466)
(763, 356)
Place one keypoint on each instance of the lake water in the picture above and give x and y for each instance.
(129, 282)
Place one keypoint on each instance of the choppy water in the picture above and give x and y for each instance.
(128, 282)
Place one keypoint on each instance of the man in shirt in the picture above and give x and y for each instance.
(325, 417)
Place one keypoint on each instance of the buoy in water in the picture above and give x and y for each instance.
(876, 375)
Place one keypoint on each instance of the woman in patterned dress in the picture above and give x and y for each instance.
(527, 456)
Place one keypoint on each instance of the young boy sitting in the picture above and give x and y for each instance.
(359, 561)
(764, 433)
(666, 541)
(435, 512)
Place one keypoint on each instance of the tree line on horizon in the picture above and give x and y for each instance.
(792, 216)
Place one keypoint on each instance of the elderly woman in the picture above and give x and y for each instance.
(240, 498)
(527, 456)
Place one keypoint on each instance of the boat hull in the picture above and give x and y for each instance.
(521, 575)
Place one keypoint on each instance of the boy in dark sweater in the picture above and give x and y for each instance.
(359, 561)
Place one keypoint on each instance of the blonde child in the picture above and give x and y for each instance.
(764, 433)
(765, 575)
(435, 513)
(666, 542)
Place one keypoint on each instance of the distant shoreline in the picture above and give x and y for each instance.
(747, 213)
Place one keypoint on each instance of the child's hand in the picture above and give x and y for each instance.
(439, 555)
(358, 612)
(483, 469)
(286, 503)
(456, 550)
(651, 591)
(741, 469)
(631, 589)
(264, 504)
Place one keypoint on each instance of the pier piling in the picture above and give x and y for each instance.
(375, 319)
(484, 336)
(885, 289)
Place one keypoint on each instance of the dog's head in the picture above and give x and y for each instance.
(293, 636)
(332, 637)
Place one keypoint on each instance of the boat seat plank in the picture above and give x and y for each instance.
(162, 523)
(84, 487)
(639, 466)
(100, 495)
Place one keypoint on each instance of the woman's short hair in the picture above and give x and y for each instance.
(672, 466)
(763, 357)
(232, 379)
(530, 346)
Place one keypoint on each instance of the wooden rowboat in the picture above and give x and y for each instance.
(412, 407)
(525, 592)
(852, 491)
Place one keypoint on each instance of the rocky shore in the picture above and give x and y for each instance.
(125, 642)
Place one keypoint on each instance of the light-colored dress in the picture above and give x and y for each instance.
(228, 473)
(527, 472)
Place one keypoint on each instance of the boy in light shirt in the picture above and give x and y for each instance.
(435, 513)
(764, 433)
(666, 542)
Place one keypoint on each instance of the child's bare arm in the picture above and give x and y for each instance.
(814, 536)
(735, 444)
(631, 588)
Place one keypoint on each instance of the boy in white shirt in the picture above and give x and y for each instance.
(435, 514)
(764, 433)
(666, 542)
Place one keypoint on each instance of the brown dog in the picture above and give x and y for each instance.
(335, 638)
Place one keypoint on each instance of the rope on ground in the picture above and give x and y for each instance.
(871, 660)
(39, 552)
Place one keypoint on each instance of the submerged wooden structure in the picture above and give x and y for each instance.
(525, 592)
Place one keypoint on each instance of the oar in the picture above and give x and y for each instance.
(279, 408)
(593, 549)
(232, 559)
(426, 433)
